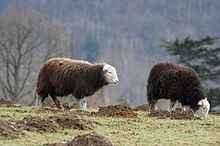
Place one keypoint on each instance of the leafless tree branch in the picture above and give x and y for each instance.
(22, 34)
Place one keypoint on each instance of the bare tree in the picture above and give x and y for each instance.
(24, 38)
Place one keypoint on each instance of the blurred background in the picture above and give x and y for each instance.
(130, 35)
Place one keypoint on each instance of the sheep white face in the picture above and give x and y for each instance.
(110, 74)
(203, 110)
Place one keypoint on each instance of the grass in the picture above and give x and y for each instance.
(142, 131)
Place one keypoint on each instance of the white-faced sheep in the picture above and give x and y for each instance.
(178, 84)
(63, 76)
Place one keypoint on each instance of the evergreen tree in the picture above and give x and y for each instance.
(203, 56)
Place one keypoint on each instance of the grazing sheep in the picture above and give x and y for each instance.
(179, 84)
(62, 76)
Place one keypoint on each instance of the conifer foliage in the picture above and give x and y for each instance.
(203, 55)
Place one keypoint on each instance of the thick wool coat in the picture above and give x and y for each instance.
(174, 82)
(61, 77)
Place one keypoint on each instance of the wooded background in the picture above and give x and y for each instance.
(128, 34)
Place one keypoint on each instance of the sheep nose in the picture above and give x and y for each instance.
(116, 81)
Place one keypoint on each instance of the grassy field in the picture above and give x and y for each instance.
(140, 131)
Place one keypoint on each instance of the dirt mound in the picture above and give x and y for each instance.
(8, 129)
(73, 122)
(39, 124)
(144, 107)
(54, 123)
(91, 139)
(115, 111)
(177, 114)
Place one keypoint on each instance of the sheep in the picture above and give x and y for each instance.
(64, 76)
(176, 83)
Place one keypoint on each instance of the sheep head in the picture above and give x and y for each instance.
(110, 74)
(203, 109)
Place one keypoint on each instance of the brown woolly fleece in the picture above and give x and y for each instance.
(174, 82)
(61, 77)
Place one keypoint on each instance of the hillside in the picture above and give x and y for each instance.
(119, 125)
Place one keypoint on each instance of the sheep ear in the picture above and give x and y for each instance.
(200, 102)
(105, 67)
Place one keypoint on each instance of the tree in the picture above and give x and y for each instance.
(25, 37)
(203, 56)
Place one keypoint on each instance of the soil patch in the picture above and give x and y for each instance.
(177, 114)
(39, 124)
(115, 111)
(73, 122)
(91, 139)
(144, 107)
(9, 129)
(54, 123)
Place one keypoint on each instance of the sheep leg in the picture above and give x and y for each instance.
(40, 100)
(178, 105)
(57, 102)
(74, 103)
(82, 104)
(153, 106)
(38, 103)
(173, 105)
